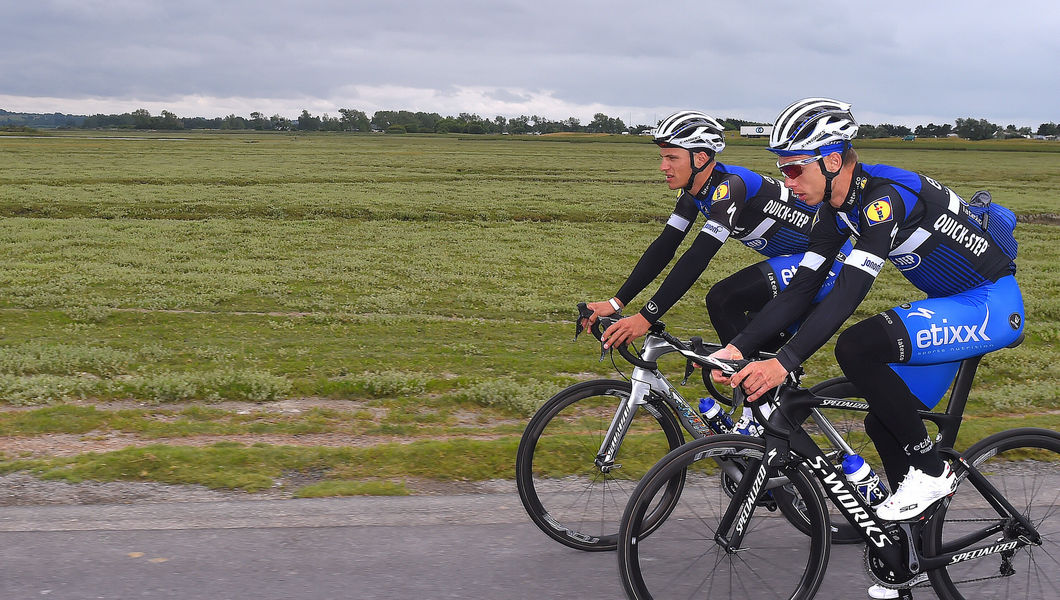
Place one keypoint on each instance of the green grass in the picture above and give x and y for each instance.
(428, 280)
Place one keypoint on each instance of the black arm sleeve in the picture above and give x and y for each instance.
(792, 303)
(660, 252)
(687, 270)
(852, 285)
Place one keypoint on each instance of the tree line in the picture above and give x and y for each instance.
(403, 121)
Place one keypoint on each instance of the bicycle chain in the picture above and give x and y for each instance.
(927, 582)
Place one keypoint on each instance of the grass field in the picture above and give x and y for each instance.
(420, 288)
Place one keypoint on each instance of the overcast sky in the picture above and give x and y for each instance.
(898, 61)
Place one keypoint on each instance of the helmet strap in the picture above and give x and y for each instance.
(830, 175)
(696, 171)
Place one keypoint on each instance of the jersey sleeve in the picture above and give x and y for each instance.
(826, 241)
(660, 252)
(727, 200)
(879, 219)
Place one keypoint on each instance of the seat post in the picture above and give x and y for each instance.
(959, 398)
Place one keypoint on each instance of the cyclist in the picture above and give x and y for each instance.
(737, 203)
(973, 303)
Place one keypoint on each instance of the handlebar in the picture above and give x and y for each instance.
(726, 366)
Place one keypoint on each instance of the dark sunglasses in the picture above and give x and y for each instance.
(793, 169)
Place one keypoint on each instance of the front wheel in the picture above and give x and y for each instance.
(1024, 466)
(567, 495)
(682, 559)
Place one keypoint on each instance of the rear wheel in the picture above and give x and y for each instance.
(1024, 466)
(566, 494)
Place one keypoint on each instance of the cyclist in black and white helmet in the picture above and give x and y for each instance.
(736, 202)
(903, 359)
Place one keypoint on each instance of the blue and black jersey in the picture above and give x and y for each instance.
(738, 203)
(921, 226)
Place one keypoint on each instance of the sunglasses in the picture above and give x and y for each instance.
(793, 169)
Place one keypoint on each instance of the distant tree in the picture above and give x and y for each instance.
(975, 129)
(518, 125)
(258, 121)
(234, 122)
(141, 118)
(354, 120)
(329, 123)
(395, 129)
(279, 123)
(169, 121)
(1049, 128)
(476, 127)
(307, 122)
(933, 130)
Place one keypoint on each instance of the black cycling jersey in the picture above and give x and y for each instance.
(737, 202)
(923, 227)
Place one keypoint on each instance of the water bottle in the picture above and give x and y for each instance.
(716, 418)
(864, 479)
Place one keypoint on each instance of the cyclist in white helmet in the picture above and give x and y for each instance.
(903, 359)
(737, 203)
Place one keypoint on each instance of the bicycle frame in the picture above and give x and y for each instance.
(895, 544)
(644, 383)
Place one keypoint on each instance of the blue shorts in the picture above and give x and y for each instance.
(941, 332)
(784, 268)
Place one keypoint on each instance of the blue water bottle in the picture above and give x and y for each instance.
(866, 480)
(716, 418)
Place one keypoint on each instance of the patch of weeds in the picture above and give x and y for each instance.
(88, 314)
(35, 358)
(211, 386)
(382, 384)
(352, 488)
(519, 397)
(31, 390)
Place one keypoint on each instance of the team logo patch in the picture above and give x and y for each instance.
(652, 307)
(721, 192)
(755, 244)
(1014, 320)
(879, 211)
(906, 262)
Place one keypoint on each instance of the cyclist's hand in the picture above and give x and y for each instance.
(729, 352)
(759, 377)
(600, 309)
(625, 330)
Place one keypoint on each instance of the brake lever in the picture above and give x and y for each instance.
(583, 314)
(690, 367)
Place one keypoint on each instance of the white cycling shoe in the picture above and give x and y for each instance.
(916, 492)
(882, 592)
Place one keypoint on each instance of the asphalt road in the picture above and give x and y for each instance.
(420, 547)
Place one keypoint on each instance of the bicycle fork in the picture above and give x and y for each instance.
(643, 383)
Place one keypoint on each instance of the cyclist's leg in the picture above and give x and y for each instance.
(864, 352)
(895, 462)
(746, 291)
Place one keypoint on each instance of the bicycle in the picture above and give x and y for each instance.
(585, 448)
(974, 543)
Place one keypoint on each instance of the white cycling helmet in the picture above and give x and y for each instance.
(691, 130)
(813, 126)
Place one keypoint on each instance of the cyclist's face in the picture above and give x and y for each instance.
(675, 166)
(809, 182)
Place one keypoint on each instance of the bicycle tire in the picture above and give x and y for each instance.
(681, 559)
(562, 489)
(1023, 465)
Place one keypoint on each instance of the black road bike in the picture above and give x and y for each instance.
(996, 536)
(584, 450)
